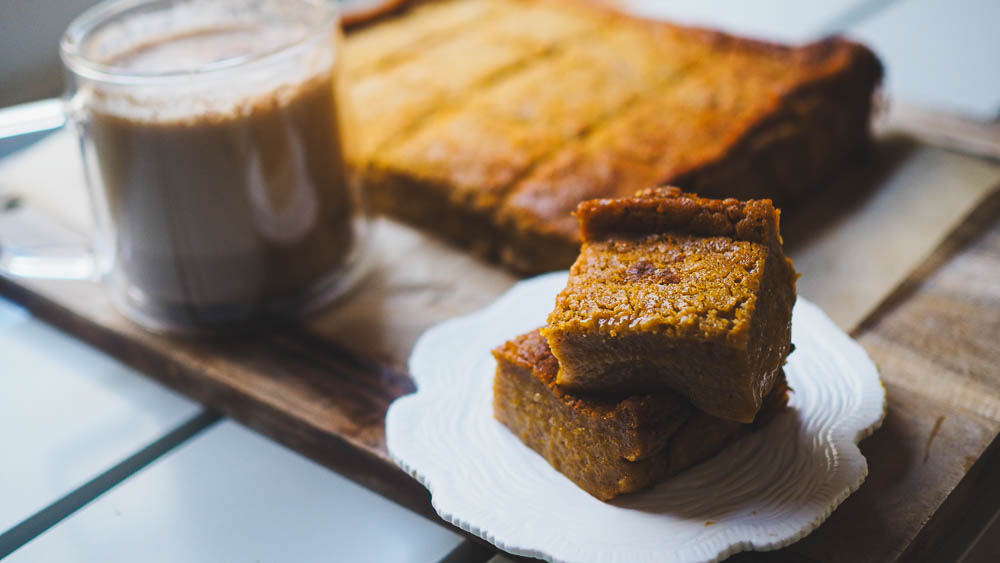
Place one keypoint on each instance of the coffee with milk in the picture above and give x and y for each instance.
(226, 195)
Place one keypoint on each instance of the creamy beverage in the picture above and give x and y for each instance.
(226, 196)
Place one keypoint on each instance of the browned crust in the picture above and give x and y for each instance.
(809, 132)
(674, 291)
(581, 435)
(375, 12)
(787, 151)
(782, 151)
(430, 206)
(640, 422)
(665, 209)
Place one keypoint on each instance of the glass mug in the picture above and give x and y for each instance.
(215, 157)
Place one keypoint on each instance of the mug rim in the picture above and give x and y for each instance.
(85, 23)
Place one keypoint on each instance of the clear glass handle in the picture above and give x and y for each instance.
(32, 244)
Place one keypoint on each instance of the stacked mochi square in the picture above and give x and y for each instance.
(667, 343)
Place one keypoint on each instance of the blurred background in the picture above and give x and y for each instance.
(939, 53)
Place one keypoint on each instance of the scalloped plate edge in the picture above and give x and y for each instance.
(845, 442)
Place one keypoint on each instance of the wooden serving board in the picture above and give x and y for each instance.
(933, 465)
(323, 386)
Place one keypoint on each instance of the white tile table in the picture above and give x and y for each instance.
(229, 494)
(68, 413)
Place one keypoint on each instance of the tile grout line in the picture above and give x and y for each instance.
(469, 552)
(991, 524)
(46, 518)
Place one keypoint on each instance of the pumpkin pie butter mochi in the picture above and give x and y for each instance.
(607, 444)
(666, 344)
(676, 292)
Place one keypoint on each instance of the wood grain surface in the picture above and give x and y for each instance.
(946, 129)
(932, 483)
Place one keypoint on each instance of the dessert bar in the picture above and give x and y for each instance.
(487, 121)
(673, 291)
(606, 445)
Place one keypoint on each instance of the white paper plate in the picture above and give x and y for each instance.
(765, 491)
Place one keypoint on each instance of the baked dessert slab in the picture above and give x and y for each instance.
(390, 103)
(755, 122)
(451, 175)
(677, 292)
(608, 446)
(393, 100)
(376, 46)
(451, 182)
(637, 102)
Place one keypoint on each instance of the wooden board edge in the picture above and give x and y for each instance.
(948, 130)
(968, 229)
(976, 498)
(956, 524)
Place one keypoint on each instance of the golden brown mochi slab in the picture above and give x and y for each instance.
(606, 445)
(457, 169)
(438, 78)
(755, 123)
(452, 174)
(701, 109)
(375, 47)
(673, 291)
(388, 104)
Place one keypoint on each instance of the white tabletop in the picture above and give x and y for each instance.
(68, 413)
(229, 494)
